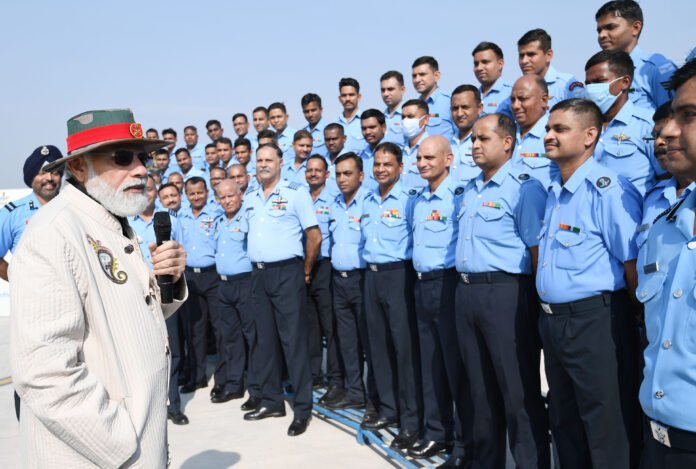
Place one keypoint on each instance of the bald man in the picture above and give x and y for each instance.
(434, 241)
(529, 102)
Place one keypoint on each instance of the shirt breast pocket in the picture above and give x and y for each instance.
(569, 250)
(436, 233)
(392, 229)
(648, 292)
(276, 214)
(488, 223)
(623, 149)
(690, 329)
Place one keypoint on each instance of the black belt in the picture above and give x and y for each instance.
(388, 266)
(673, 437)
(434, 274)
(580, 306)
(487, 277)
(229, 278)
(348, 273)
(323, 260)
(198, 270)
(270, 265)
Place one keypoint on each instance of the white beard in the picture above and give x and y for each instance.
(116, 201)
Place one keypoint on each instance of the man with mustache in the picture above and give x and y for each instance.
(89, 352)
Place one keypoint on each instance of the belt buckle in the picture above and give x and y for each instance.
(373, 267)
(223, 277)
(197, 270)
(344, 274)
(546, 308)
(261, 265)
(420, 275)
(465, 277)
(660, 433)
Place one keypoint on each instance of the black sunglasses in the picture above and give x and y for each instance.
(125, 157)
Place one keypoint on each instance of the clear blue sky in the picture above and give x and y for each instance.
(177, 63)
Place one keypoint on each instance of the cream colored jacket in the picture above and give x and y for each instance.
(88, 342)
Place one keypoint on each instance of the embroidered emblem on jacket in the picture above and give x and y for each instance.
(108, 262)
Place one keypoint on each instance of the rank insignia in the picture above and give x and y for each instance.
(108, 262)
(44, 151)
(435, 215)
(393, 213)
(491, 205)
(279, 206)
(603, 182)
(622, 137)
(32, 206)
(207, 223)
(572, 229)
(136, 130)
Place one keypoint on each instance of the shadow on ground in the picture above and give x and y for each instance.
(211, 459)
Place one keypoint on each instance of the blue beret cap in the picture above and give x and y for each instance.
(37, 160)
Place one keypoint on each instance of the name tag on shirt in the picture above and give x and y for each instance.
(643, 227)
(651, 268)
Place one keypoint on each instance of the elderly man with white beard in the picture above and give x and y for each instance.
(89, 348)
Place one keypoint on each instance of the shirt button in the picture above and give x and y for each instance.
(643, 294)
(543, 292)
(557, 208)
(677, 293)
(691, 245)
(550, 235)
(465, 259)
(129, 249)
(667, 344)
(479, 196)
(544, 264)
(467, 237)
(148, 299)
(659, 394)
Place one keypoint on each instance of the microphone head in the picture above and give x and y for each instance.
(162, 222)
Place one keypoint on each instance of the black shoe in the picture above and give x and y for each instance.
(379, 423)
(252, 403)
(345, 403)
(405, 439)
(217, 389)
(458, 462)
(177, 418)
(425, 449)
(318, 383)
(226, 396)
(298, 426)
(334, 394)
(370, 412)
(263, 413)
(191, 387)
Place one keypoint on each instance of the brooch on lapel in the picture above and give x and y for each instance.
(108, 262)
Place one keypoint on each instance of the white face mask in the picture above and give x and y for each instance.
(599, 93)
(411, 126)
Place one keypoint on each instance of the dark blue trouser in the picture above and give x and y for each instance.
(281, 323)
(391, 328)
(496, 325)
(201, 300)
(172, 323)
(446, 398)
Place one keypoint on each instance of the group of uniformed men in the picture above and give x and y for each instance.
(434, 249)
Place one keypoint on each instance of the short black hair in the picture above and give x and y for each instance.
(485, 45)
(224, 141)
(165, 185)
(242, 142)
(685, 73)
(212, 122)
(272, 146)
(218, 168)
(505, 127)
(211, 145)
(376, 113)
(393, 74)
(162, 151)
(169, 131)
(258, 109)
(301, 134)
(468, 89)
(191, 127)
(627, 9)
(583, 108)
(426, 60)
(536, 35)
(350, 156)
(335, 126)
(620, 63)
(663, 112)
(317, 156)
(242, 115)
(310, 98)
(151, 130)
(195, 180)
(278, 105)
(267, 133)
(182, 150)
(417, 102)
(349, 82)
(392, 149)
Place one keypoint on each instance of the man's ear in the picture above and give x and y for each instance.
(78, 168)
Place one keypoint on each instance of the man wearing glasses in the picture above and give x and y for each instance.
(89, 346)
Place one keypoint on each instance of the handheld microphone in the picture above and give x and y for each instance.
(163, 232)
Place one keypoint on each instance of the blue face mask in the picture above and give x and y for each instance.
(599, 93)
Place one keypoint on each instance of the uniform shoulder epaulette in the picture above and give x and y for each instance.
(520, 177)
(663, 64)
(603, 183)
(10, 206)
(643, 114)
(251, 190)
(294, 185)
(413, 192)
(459, 190)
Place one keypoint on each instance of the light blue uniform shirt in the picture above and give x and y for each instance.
(199, 235)
(651, 70)
(14, 217)
(621, 147)
(285, 140)
(194, 171)
(347, 242)
(497, 99)
(658, 199)
(667, 287)
(395, 132)
(386, 225)
(530, 156)
(499, 221)
(277, 223)
(411, 178)
(145, 231)
(562, 86)
(463, 168)
(322, 210)
(318, 145)
(355, 141)
(588, 234)
(435, 227)
(197, 156)
(440, 122)
(289, 173)
(231, 244)
(368, 157)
